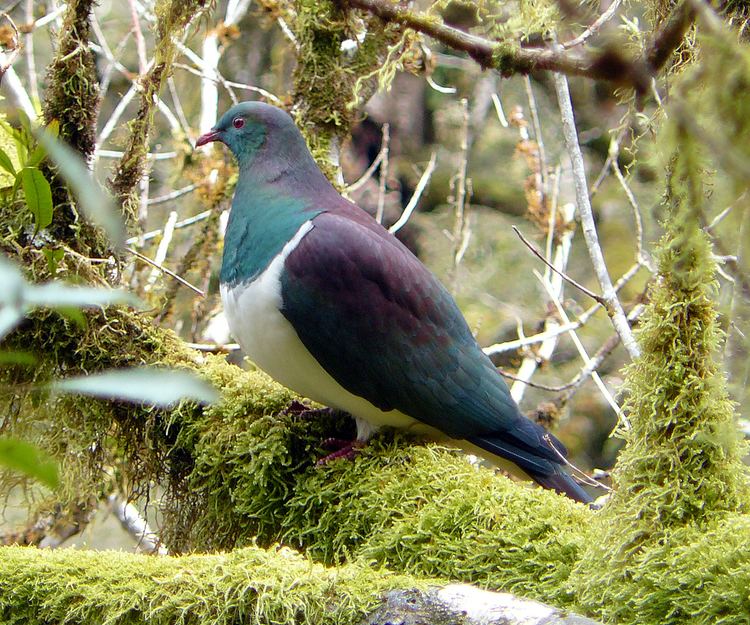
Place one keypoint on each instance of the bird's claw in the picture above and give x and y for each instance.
(343, 449)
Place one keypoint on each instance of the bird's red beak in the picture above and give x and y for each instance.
(211, 135)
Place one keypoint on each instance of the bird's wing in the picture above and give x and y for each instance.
(386, 330)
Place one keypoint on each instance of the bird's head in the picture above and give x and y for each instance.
(246, 128)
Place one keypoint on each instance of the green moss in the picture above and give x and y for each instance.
(505, 59)
(681, 472)
(419, 509)
(72, 98)
(697, 575)
(328, 85)
(72, 94)
(246, 586)
(244, 471)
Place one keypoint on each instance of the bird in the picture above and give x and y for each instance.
(325, 300)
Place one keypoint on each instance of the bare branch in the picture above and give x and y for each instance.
(613, 305)
(595, 26)
(414, 200)
(461, 230)
(546, 349)
(565, 277)
(582, 350)
(179, 279)
(134, 524)
(641, 256)
(161, 251)
(383, 173)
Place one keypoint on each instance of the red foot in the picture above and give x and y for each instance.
(344, 449)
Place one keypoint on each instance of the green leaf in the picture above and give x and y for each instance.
(74, 315)
(38, 196)
(143, 385)
(37, 156)
(94, 201)
(40, 151)
(11, 296)
(53, 258)
(26, 458)
(18, 358)
(6, 163)
(60, 295)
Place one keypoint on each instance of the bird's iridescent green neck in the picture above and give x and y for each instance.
(261, 222)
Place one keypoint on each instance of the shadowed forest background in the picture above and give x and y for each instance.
(450, 123)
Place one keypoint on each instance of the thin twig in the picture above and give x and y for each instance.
(607, 163)
(580, 475)
(180, 224)
(179, 279)
(543, 387)
(173, 195)
(582, 350)
(531, 362)
(151, 156)
(596, 360)
(383, 173)
(134, 524)
(524, 341)
(613, 305)
(595, 26)
(499, 110)
(720, 217)
(552, 221)
(538, 138)
(640, 254)
(461, 231)
(10, 50)
(565, 277)
(161, 250)
(215, 348)
(288, 32)
(140, 42)
(414, 200)
(50, 17)
(28, 39)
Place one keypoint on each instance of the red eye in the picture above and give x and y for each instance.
(238, 122)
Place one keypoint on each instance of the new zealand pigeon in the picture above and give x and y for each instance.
(333, 306)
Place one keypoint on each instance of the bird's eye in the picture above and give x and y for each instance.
(238, 122)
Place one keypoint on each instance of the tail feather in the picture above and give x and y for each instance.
(563, 484)
(545, 472)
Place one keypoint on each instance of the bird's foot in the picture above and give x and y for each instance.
(297, 408)
(343, 449)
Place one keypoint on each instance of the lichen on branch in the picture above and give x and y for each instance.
(329, 83)
(172, 19)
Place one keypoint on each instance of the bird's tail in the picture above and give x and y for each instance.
(563, 484)
(542, 463)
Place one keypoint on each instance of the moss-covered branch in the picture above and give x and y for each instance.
(246, 586)
(72, 100)
(510, 58)
(249, 585)
(173, 17)
(244, 470)
(72, 94)
(329, 84)
(682, 488)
